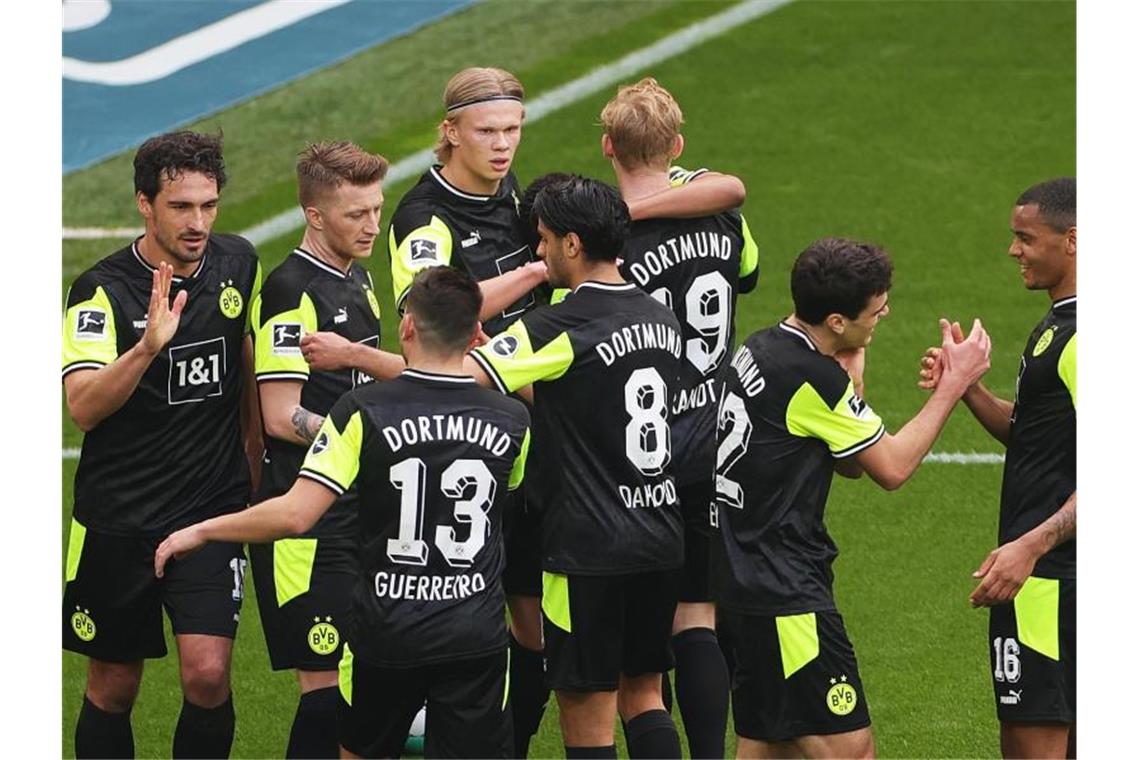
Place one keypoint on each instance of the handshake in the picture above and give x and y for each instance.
(959, 362)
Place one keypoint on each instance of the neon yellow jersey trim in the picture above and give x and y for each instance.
(558, 295)
(1036, 608)
(344, 674)
(254, 295)
(519, 466)
(75, 542)
(799, 641)
(513, 362)
(293, 567)
(843, 428)
(427, 246)
(334, 457)
(750, 254)
(91, 344)
(1067, 368)
(506, 683)
(556, 600)
(277, 342)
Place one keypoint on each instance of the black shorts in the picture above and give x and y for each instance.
(597, 628)
(1033, 653)
(304, 593)
(693, 579)
(522, 575)
(467, 713)
(112, 603)
(794, 675)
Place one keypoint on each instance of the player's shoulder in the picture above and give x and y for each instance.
(287, 281)
(787, 355)
(111, 268)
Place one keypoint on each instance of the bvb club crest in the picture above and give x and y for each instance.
(230, 301)
(841, 697)
(323, 636)
(1044, 341)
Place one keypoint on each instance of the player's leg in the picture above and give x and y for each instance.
(376, 706)
(582, 618)
(649, 606)
(522, 583)
(468, 715)
(304, 589)
(701, 675)
(202, 595)
(1033, 659)
(112, 614)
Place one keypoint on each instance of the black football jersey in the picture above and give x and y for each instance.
(604, 363)
(172, 454)
(1041, 458)
(787, 413)
(432, 457)
(696, 267)
(437, 223)
(304, 295)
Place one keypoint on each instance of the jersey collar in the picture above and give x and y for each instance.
(609, 287)
(437, 377)
(438, 177)
(1071, 300)
(149, 268)
(320, 264)
(799, 334)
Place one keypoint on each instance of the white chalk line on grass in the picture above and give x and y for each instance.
(547, 103)
(938, 457)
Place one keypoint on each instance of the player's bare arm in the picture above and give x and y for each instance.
(1005, 569)
(290, 514)
(285, 418)
(250, 420)
(894, 458)
(329, 351)
(502, 291)
(992, 412)
(709, 193)
(94, 395)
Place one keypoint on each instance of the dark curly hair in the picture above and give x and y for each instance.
(1056, 201)
(838, 276)
(168, 156)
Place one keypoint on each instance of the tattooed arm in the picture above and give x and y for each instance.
(284, 417)
(1005, 569)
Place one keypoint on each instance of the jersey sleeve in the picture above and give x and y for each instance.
(89, 339)
(281, 314)
(749, 259)
(1067, 368)
(847, 427)
(519, 356)
(519, 466)
(254, 294)
(415, 244)
(334, 457)
(679, 175)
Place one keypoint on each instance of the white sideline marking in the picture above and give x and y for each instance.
(542, 106)
(196, 46)
(942, 457)
(100, 233)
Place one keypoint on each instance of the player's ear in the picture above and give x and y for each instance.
(573, 245)
(836, 323)
(144, 206)
(407, 327)
(607, 146)
(313, 218)
(678, 145)
(451, 133)
(1071, 241)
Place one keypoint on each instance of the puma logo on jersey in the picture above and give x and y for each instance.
(341, 316)
(424, 250)
(287, 338)
(474, 238)
(1013, 698)
(90, 324)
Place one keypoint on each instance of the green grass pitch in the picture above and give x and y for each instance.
(911, 124)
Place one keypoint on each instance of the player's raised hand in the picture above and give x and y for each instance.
(930, 365)
(964, 363)
(1002, 574)
(177, 545)
(162, 317)
(327, 350)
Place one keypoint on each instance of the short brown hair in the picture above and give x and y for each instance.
(325, 166)
(643, 121)
(470, 86)
(445, 303)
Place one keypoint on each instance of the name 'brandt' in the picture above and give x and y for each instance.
(639, 338)
(675, 250)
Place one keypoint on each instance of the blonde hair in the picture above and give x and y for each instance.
(325, 166)
(643, 121)
(468, 87)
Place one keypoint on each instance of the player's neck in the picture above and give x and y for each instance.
(1067, 288)
(468, 181)
(154, 254)
(825, 340)
(639, 183)
(425, 361)
(602, 271)
(312, 242)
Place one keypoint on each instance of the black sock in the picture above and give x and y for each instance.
(652, 734)
(666, 693)
(603, 753)
(702, 690)
(528, 694)
(204, 732)
(314, 726)
(99, 733)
